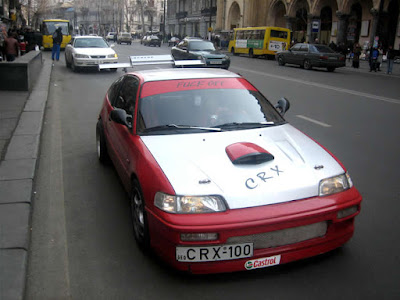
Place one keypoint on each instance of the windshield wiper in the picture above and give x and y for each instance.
(246, 125)
(174, 126)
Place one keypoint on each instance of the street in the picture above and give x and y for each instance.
(82, 244)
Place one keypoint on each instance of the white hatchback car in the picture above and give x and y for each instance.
(89, 51)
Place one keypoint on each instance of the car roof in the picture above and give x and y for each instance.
(179, 73)
(88, 37)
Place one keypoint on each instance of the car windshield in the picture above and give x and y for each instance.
(90, 43)
(201, 46)
(321, 49)
(214, 110)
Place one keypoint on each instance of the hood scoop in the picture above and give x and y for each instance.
(247, 154)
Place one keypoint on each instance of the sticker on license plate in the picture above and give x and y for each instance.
(214, 253)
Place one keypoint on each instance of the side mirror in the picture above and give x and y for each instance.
(120, 116)
(283, 105)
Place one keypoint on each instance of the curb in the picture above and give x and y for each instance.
(17, 172)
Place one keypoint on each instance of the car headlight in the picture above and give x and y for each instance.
(189, 204)
(81, 56)
(335, 184)
(112, 55)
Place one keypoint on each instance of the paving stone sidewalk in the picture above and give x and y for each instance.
(21, 119)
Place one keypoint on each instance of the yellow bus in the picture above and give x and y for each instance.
(50, 26)
(256, 41)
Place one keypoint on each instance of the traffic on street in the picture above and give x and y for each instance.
(338, 143)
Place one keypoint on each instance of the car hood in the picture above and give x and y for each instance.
(198, 164)
(209, 54)
(94, 51)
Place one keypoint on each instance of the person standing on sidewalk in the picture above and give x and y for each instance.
(12, 47)
(356, 55)
(57, 39)
(390, 54)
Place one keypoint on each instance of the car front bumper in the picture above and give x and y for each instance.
(91, 62)
(289, 223)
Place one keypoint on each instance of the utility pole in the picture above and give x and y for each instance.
(165, 3)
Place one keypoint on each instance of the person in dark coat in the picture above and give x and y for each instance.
(356, 55)
(57, 40)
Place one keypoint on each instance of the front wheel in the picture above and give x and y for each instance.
(74, 68)
(102, 153)
(139, 217)
(281, 61)
(307, 64)
(68, 64)
(331, 69)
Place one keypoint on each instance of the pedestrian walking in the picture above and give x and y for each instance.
(12, 47)
(379, 60)
(356, 55)
(57, 39)
(390, 54)
(373, 59)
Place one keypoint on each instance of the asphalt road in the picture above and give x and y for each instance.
(82, 243)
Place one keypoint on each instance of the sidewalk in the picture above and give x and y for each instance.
(21, 118)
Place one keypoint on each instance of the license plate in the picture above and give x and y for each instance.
(333, 58)
(214, 253)
(215, 62)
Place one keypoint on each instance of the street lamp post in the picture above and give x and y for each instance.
(165, 3)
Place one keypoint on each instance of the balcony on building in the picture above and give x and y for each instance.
(181, 14)
(209, 11)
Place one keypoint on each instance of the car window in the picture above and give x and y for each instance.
(321, 48)
(90, 43)
(201, 46)
(304, 48)
(127, 94)
(205, 108)
(113, 91)
(295, 48)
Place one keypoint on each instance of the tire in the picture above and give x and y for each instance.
(139, 217)
(307, 64)
(113, 70)
(251, 54)
(281, 61)
(102, 152)
(68, 64)
(331, 69)
(74, 68)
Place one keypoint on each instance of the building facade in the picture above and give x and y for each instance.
(367, 22)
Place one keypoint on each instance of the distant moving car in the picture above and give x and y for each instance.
(310, 56)
(218, 181)
(110, 36)
(152, 40)
(173, 41)
(195, 48)
(88, 51)
(124, 37)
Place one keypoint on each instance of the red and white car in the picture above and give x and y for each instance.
(218, 181)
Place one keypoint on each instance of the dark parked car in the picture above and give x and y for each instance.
(152, 40)
(195, 48)
(312, 55)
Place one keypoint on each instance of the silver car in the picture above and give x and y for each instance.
(311, 55)
(89, 51)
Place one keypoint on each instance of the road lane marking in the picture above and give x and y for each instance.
(313, 121)
(325, 86)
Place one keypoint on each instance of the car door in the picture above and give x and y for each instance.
(291, 54)
(68, 50)
(303, 54)
(180, 51)
(120, 135)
